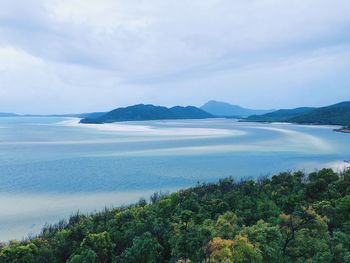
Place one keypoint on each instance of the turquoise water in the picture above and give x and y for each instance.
(51, 167)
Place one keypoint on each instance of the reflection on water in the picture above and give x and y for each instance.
(51, 167)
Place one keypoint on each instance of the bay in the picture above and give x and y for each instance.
(53, 167)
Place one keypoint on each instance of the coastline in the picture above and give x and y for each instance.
(147, 128)
(342, 130)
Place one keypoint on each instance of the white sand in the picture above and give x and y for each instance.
(135, 129)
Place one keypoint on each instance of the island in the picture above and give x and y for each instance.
(143, 112)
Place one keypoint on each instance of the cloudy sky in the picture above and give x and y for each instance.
(60, 56)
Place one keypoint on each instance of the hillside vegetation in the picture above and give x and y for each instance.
(337, 114)
(280, 115)
(291, 217)
(143, 112)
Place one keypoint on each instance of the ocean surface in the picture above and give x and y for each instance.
(53, 167)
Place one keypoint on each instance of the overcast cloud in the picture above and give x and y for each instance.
(60, 56)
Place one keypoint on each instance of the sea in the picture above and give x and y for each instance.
(51, 168)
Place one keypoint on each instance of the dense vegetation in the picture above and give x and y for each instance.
(280, 115)
(142, 112)
(337, 114)
(291, 217)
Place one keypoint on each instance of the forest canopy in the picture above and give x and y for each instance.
(290, 217)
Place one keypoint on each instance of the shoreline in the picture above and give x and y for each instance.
(148, 129)
(343, 130)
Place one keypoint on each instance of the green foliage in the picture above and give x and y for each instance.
(142, 112)
(85, 256)
(267, 238)
(144, 249)
(337, 114)
(290, 217)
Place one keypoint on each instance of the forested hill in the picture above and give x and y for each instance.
(142, 112)
(280, 115)
(337, 114)
(291, 217)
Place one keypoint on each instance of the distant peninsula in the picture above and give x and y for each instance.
(336, 114)
(79, 115)
(142, 112)
(5, 114)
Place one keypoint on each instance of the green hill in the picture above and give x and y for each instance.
(290, 217)
(143, 112)
(337, 114)
(280, 115)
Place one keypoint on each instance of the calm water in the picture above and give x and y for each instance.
(51, 167)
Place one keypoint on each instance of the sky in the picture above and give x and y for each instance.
(70, 56)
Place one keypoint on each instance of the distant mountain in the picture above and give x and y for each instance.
(337, 114)
(78, 115)
(142, 112)
(223, 109)
(5, 114)
(280, 115)
(92, 115)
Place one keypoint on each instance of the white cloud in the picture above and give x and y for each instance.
(105, 53)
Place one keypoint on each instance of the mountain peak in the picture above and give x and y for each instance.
(224, 109)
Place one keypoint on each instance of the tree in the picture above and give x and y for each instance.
(95, 248)
(85, 256)
(306, 236)
(268, 238)
(144, 249)
(340, 247)
(227, 225)
(220, 250)
(239, 250)
(244, 251)
(16, 253)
